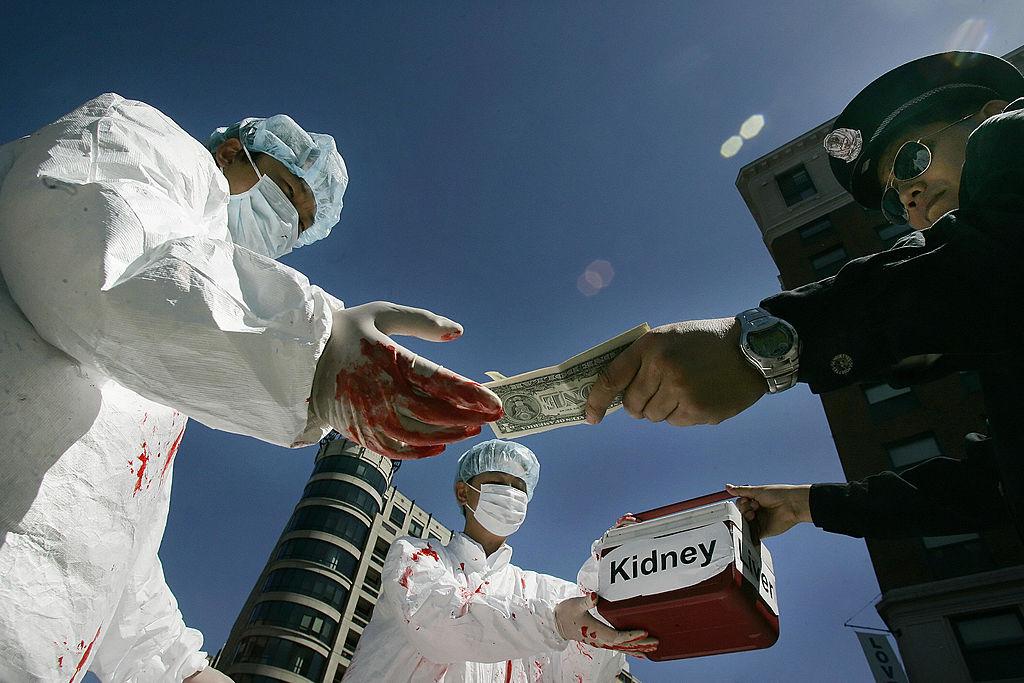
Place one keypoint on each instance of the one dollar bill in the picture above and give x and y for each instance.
(555, 397)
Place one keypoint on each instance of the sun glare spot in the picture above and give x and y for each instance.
(752, 126)
(731, 146)
(970, 36)
(595, 277)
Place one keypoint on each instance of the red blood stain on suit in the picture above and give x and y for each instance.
(140, 473)
(85, 656)
(170, 453)
(425, 552)
(403, 580)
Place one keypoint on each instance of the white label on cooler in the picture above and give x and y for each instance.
(648, 566)
(756, 564)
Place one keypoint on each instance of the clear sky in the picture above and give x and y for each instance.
(495, 151)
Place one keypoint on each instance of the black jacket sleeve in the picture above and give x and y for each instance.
(937, 497)
(954, 292)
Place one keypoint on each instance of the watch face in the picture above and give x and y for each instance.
(773, 342)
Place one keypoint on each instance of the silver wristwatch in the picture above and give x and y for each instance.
(772, 346)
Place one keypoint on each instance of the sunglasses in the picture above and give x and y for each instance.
(912, 159)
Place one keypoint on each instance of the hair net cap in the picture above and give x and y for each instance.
(501, 456)
(311, 156)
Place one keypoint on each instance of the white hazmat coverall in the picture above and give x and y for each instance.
(451, 614)
(124, 307)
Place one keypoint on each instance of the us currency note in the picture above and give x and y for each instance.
(555, 397)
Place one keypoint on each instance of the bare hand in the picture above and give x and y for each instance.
(776, 508)
(687, 373)
(574, 621)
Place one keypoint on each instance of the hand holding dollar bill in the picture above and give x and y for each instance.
(555, 397)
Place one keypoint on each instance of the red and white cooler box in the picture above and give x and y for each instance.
(691, 575)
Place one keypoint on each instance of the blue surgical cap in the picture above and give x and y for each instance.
(311, 156)
(501, 456)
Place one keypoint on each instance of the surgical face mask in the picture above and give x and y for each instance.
(501, 509)
(261, 219)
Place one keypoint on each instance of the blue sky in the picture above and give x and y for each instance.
(494, 152)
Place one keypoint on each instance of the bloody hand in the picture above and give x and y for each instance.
(387, 398)
(576, 623)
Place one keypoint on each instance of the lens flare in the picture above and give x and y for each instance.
(595, 277)
(752, 126)
(586, 289)
(970, 36)
(731, 146)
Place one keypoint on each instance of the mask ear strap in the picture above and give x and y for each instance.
(249, 157)
(466, 504)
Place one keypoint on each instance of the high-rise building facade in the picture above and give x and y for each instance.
(954, 603)
(303, 619)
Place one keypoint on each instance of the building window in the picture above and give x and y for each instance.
(340, 673)
(957, 555)
(296, 617)
(795, 185)
(284, 654)
(815, 229)
(992, 644)
(346, 464)
(363, 612)
(889, 234)
(351, 643)
(415, 528)
(828, 262)
(380, 550)
(435, 537)
(397, 516)
(332, 521)
(911, 451)
(372, 581)
(308, 583)
(319, 552)
(885, 401)
(343, 492)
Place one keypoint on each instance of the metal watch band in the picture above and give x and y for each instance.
(779, 374)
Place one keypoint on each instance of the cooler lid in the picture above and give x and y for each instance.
(724, 511)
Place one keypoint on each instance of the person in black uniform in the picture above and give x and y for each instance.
(936, 143)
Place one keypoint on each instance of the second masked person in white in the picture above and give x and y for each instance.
(464, 612)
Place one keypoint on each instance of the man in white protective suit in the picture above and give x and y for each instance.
(140, 288)
(463, 612)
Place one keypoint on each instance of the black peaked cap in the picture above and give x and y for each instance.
(865, 127)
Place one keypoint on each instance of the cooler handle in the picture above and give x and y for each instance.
(716, 497)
